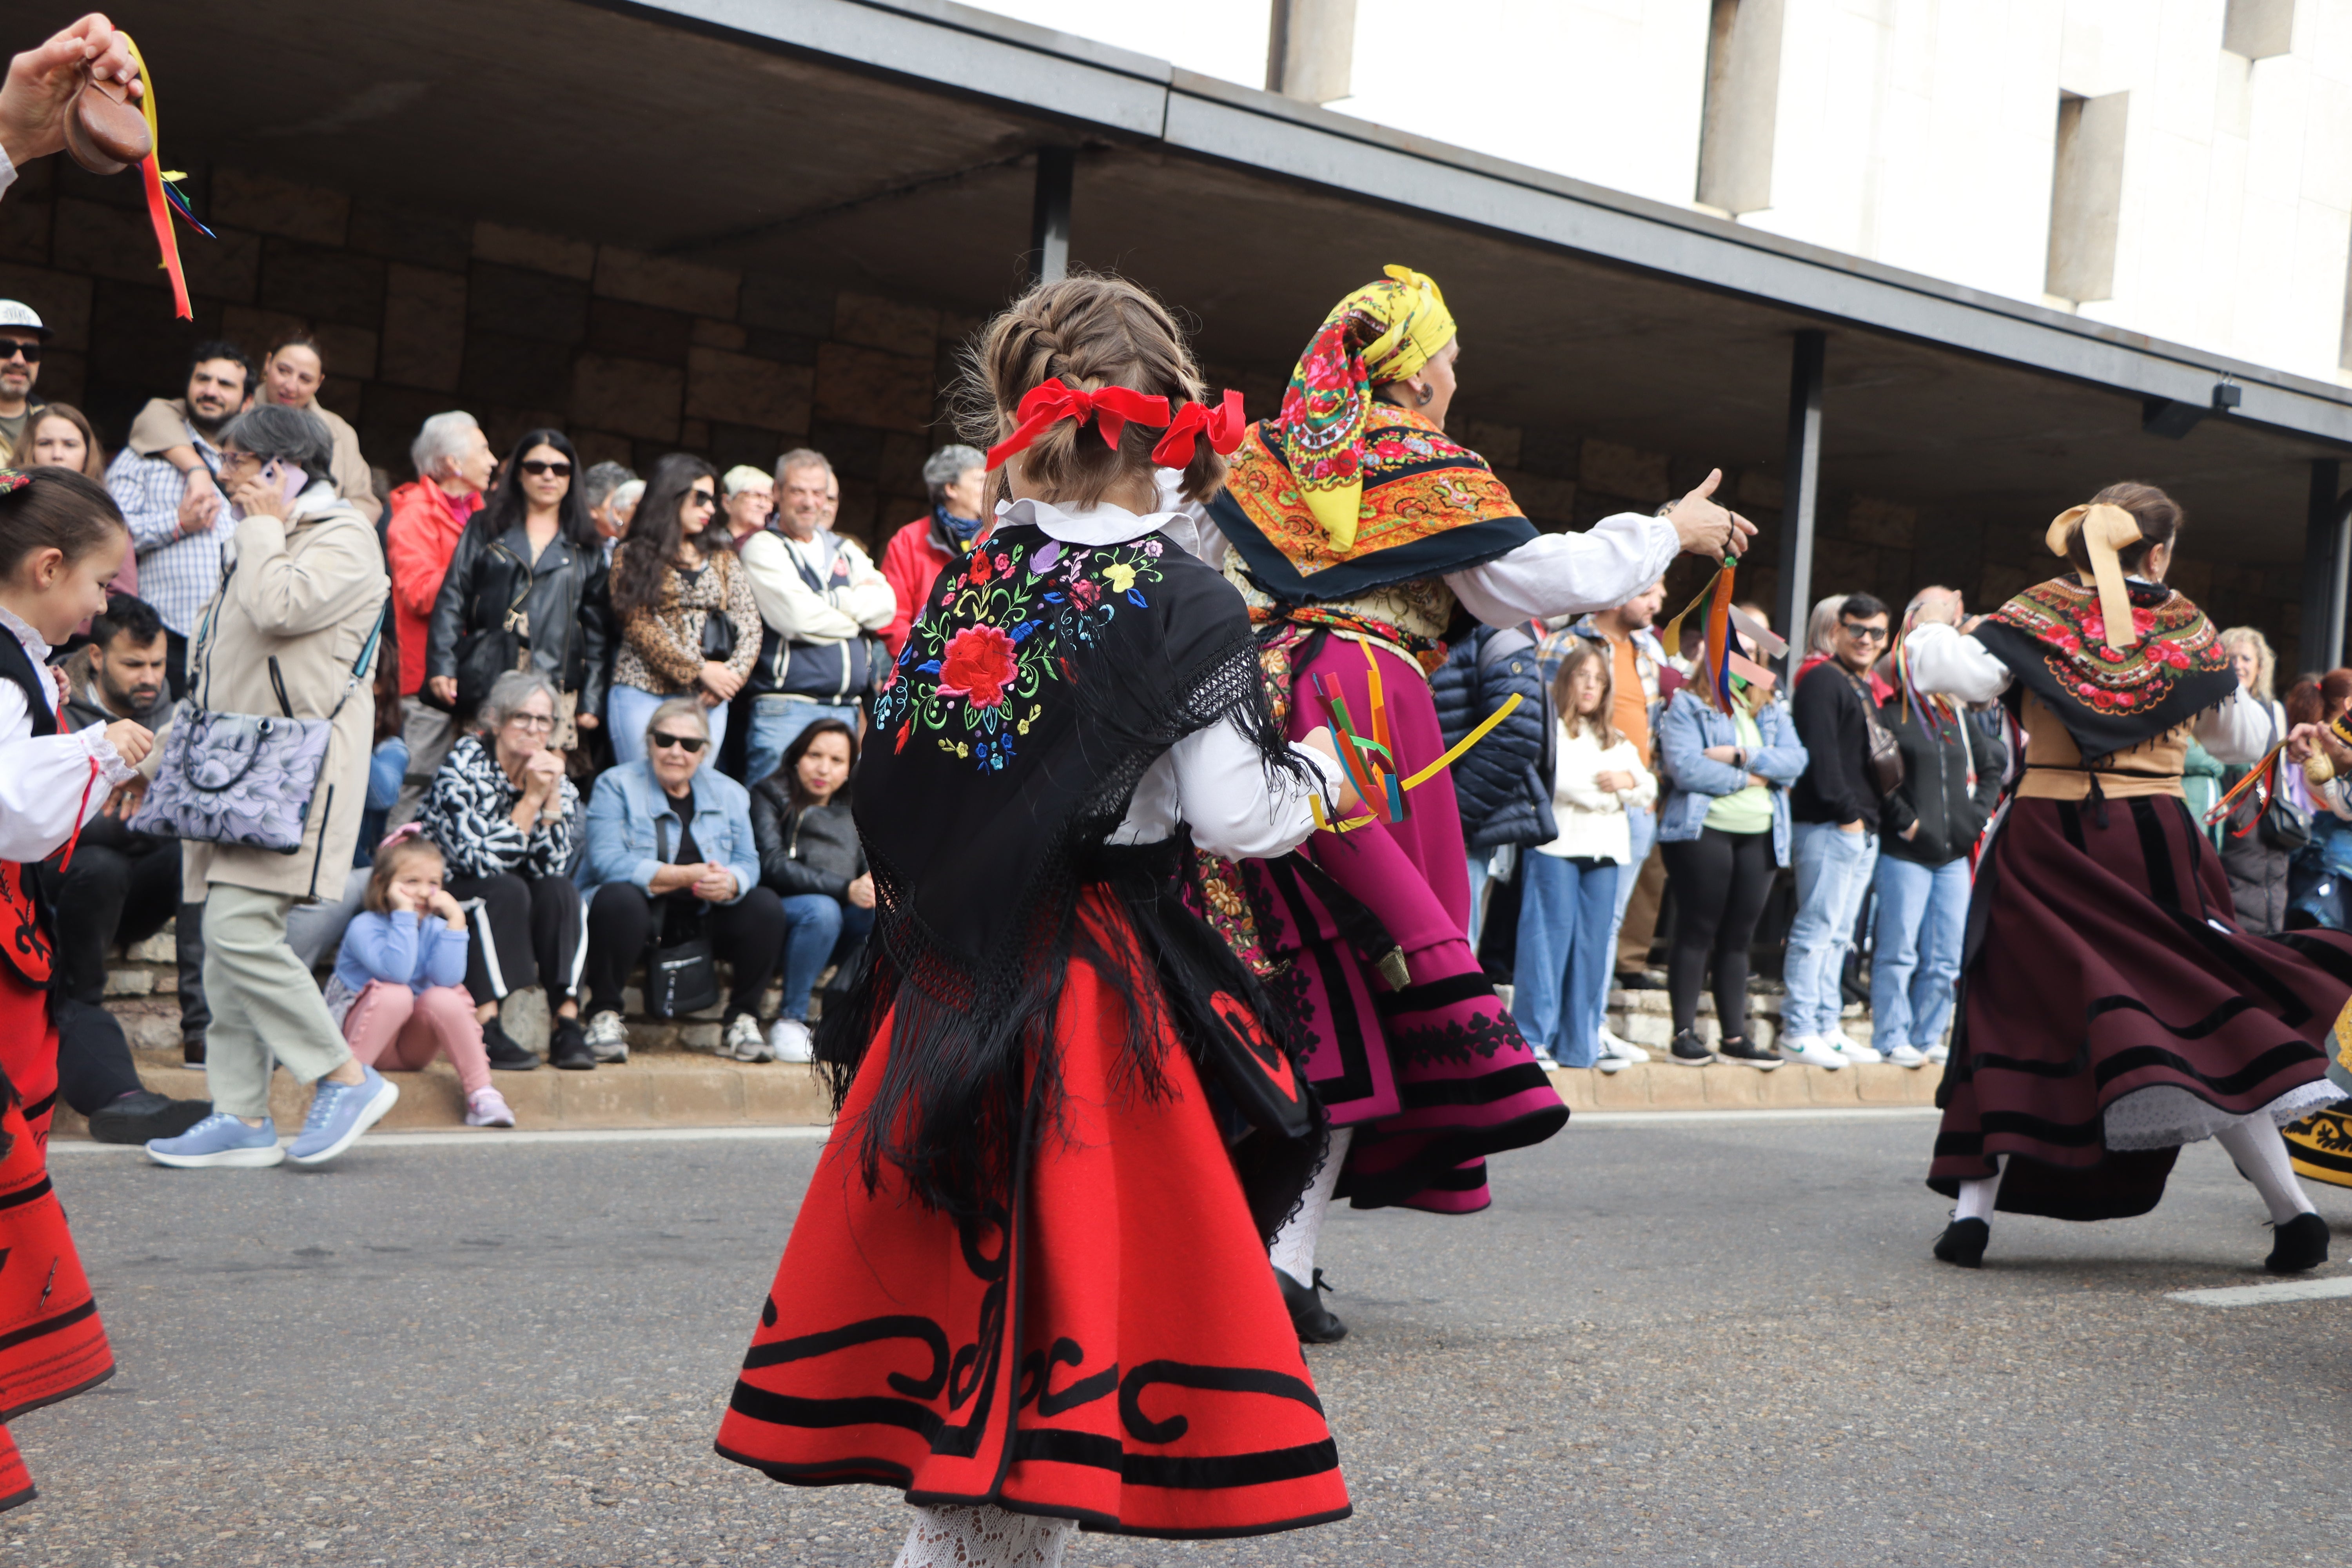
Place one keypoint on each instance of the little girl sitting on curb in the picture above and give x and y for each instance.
(399, 983)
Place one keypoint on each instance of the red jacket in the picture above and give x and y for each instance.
(419, 540)
(910, 561)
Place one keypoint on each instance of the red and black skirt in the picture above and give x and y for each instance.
(52, 1345)
(2111, 1010)
(1109, 1346)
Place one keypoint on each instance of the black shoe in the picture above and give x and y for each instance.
(1637, 980)
(1314, 1321)
(143, 1114)
(1687, 1052)
(504, 1052)
(1963, 1242)
(192, 1050)
(2300, 1243)
(1742, 1049)
(567, 1047)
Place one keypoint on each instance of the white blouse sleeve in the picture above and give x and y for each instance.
(1570, 574)
(1946, 662)
(43, 780)
(2238, 731)
(1215, 780)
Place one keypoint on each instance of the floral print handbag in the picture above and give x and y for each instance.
(241, 778)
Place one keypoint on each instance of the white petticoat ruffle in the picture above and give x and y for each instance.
(2165, 1116)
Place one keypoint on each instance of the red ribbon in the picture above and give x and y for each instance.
(1110, 408)
(1223, 426)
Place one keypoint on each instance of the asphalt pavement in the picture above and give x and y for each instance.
(1707, 1341)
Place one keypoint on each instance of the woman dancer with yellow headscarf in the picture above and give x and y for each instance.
(2111, 1009)
(1363, 536)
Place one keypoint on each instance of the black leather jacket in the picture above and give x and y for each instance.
(804, 851)
(561, 600)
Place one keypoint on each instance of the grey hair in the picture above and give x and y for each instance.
(1821, 626)
(440, 439)
(801, 458)
(511, 690)
(597, 485)
(627, 493)
(946, 466)
(293, 435)
(2266, 661)
(676, 708)
(1918, 600)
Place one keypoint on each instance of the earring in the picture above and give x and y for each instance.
(1426, 393)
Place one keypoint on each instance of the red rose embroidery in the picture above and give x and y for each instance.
(978, 573)
(978, 665)
(2170, 654)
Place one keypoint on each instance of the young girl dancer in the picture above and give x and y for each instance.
(399, 985)
(2112, 1008)
(1028, 1285)
(61, 541)
(1568, 900)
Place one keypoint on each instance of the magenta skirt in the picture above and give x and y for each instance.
(1433, 1076)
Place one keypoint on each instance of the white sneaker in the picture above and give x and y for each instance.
(1939, 1054)
(1612, 1063)
(1907, 1056)
(1622, 1050)
(791, 1041)
(742, 1040)
(488, 1107)
(1813, 1051)
(608, 1038)
(1546, 1062)
(1853, 1050)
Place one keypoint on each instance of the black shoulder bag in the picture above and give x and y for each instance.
(680, 978)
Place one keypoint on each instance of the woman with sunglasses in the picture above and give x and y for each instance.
(671, 856)
(690, 626)
(525, 590)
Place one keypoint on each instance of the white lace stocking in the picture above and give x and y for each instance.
(1294, 1243)
(984, 1537)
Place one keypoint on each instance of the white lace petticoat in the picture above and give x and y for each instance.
(2167, 1115)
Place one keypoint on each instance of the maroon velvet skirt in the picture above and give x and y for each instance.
(2111, 1010)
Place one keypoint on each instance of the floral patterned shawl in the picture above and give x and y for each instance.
(2052, 636)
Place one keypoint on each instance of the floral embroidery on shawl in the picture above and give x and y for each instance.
(2062, 618)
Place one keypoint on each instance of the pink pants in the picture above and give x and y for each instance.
(395, 1029)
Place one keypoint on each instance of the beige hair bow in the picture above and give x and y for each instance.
(2106, 530)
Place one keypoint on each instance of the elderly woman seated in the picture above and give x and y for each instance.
(671, 858)
(508, 822)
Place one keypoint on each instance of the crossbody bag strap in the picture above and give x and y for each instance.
(359, 664)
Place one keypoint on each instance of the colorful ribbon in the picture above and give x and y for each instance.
(1223, 426)
(1716, 657)
(1370, 762)
(159, 205)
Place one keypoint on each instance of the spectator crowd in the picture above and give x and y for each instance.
(617, 720)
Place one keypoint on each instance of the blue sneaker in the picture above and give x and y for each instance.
(340, 1112)
(219, 1139)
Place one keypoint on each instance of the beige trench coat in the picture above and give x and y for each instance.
(306, 592)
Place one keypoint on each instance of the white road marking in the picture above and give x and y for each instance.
(1822, 1113)
(2265, 1295)
(508, 1138)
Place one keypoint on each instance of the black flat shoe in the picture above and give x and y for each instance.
(1688, 1051)
(2299, 1245)
(1741, 1048)
(192, 1050)
(567, 1047)
(144, 1114)
(1963, 1243)
(1315, 1323)
(505, 1053)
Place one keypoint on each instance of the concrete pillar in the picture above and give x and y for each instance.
(1310, 49)
(2327, 562)
(1049, 216)
(1800, 485)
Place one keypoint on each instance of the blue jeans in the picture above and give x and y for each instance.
(627, 712)
(1642, 821)
(1923, 920)
(819, 928)
(775, 721)
(1833, 876)
(1560, 982)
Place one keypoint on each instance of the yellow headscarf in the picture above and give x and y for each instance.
(1381, 333)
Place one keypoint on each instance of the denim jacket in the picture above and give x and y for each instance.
(628, 804)
(1686, 730)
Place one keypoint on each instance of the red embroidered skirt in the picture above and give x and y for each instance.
(1112, 1347)
(52, 1345)
(2113, 1010)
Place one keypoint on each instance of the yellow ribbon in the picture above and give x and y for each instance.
(1452, 755)
(2106, 530)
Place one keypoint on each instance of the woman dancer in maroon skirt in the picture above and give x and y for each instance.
(2111, 1009)
(1028, 1285)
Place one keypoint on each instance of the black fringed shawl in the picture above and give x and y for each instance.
(1040, 681)
(2053, 640)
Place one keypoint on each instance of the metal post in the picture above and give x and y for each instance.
(1800, 484)
(2326, 563)
(1049, 218)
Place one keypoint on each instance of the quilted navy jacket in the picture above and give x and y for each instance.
(1503, 782)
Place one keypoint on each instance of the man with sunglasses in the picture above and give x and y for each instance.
(21, 337)
(1834, 808)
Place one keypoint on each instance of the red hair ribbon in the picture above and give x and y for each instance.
(1223, 426)
(1110, 408)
